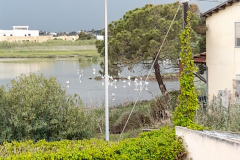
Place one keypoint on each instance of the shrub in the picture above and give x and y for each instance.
(35, 108)
(159, 144)
(95, 59)
(217, 117)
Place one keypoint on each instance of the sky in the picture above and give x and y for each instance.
(71, 15)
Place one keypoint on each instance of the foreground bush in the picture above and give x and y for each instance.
(160, 144)
(35, 108)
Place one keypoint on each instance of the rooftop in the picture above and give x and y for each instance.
(219, 7)
(233, 137)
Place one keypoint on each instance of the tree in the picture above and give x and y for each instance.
(137, 37)
(85, 36)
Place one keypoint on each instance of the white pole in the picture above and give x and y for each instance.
(106, 76)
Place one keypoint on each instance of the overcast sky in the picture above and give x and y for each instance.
(71, 15)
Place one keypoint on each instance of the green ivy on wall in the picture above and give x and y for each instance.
(185, 112)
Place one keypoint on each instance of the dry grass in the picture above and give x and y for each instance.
(217, 117)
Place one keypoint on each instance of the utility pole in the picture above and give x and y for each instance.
(185, 10)
(184, 4)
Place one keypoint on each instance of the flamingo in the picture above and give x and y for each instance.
(124, 81)
(94, 70)
(111, 78)
(67, 82)
(129, 78)
(113, 97)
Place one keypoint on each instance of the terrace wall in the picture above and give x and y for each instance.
(204, 146)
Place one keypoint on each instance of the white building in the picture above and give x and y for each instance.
(223, 48)
(100, 37)
(19, 31)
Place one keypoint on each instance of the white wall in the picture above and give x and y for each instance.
(201, 146)
(19, 33)
(100, 37)
(223, 59)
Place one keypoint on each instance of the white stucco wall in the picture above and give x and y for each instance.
(223, 58)
(201, 146)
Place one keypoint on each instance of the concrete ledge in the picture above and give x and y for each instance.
(210, 145)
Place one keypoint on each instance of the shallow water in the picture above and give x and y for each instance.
(90, 91)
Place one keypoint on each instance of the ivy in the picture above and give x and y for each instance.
(186, 110)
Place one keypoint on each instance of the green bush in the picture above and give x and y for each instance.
(95, 59)
(159, 144)
(35, 108)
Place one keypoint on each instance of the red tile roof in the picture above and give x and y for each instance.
(200, 58)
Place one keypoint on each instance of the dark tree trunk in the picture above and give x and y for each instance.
(160, 80)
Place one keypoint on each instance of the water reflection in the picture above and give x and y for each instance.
(78, 78)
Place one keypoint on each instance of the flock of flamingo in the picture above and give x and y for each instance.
(139, 83)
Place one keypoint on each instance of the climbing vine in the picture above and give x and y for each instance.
(186, 110)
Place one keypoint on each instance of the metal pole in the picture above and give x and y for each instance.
(207, 83)
(106, 75)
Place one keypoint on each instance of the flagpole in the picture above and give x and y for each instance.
(106, 75)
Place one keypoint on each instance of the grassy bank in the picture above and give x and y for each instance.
(46, 53)
(49, 49)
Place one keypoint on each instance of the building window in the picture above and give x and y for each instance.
(29, 35)
(4, 35)
(25, 35)
(237, 34)
(10, 34)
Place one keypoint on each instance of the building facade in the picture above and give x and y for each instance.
(223, 47)
(19, 31)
